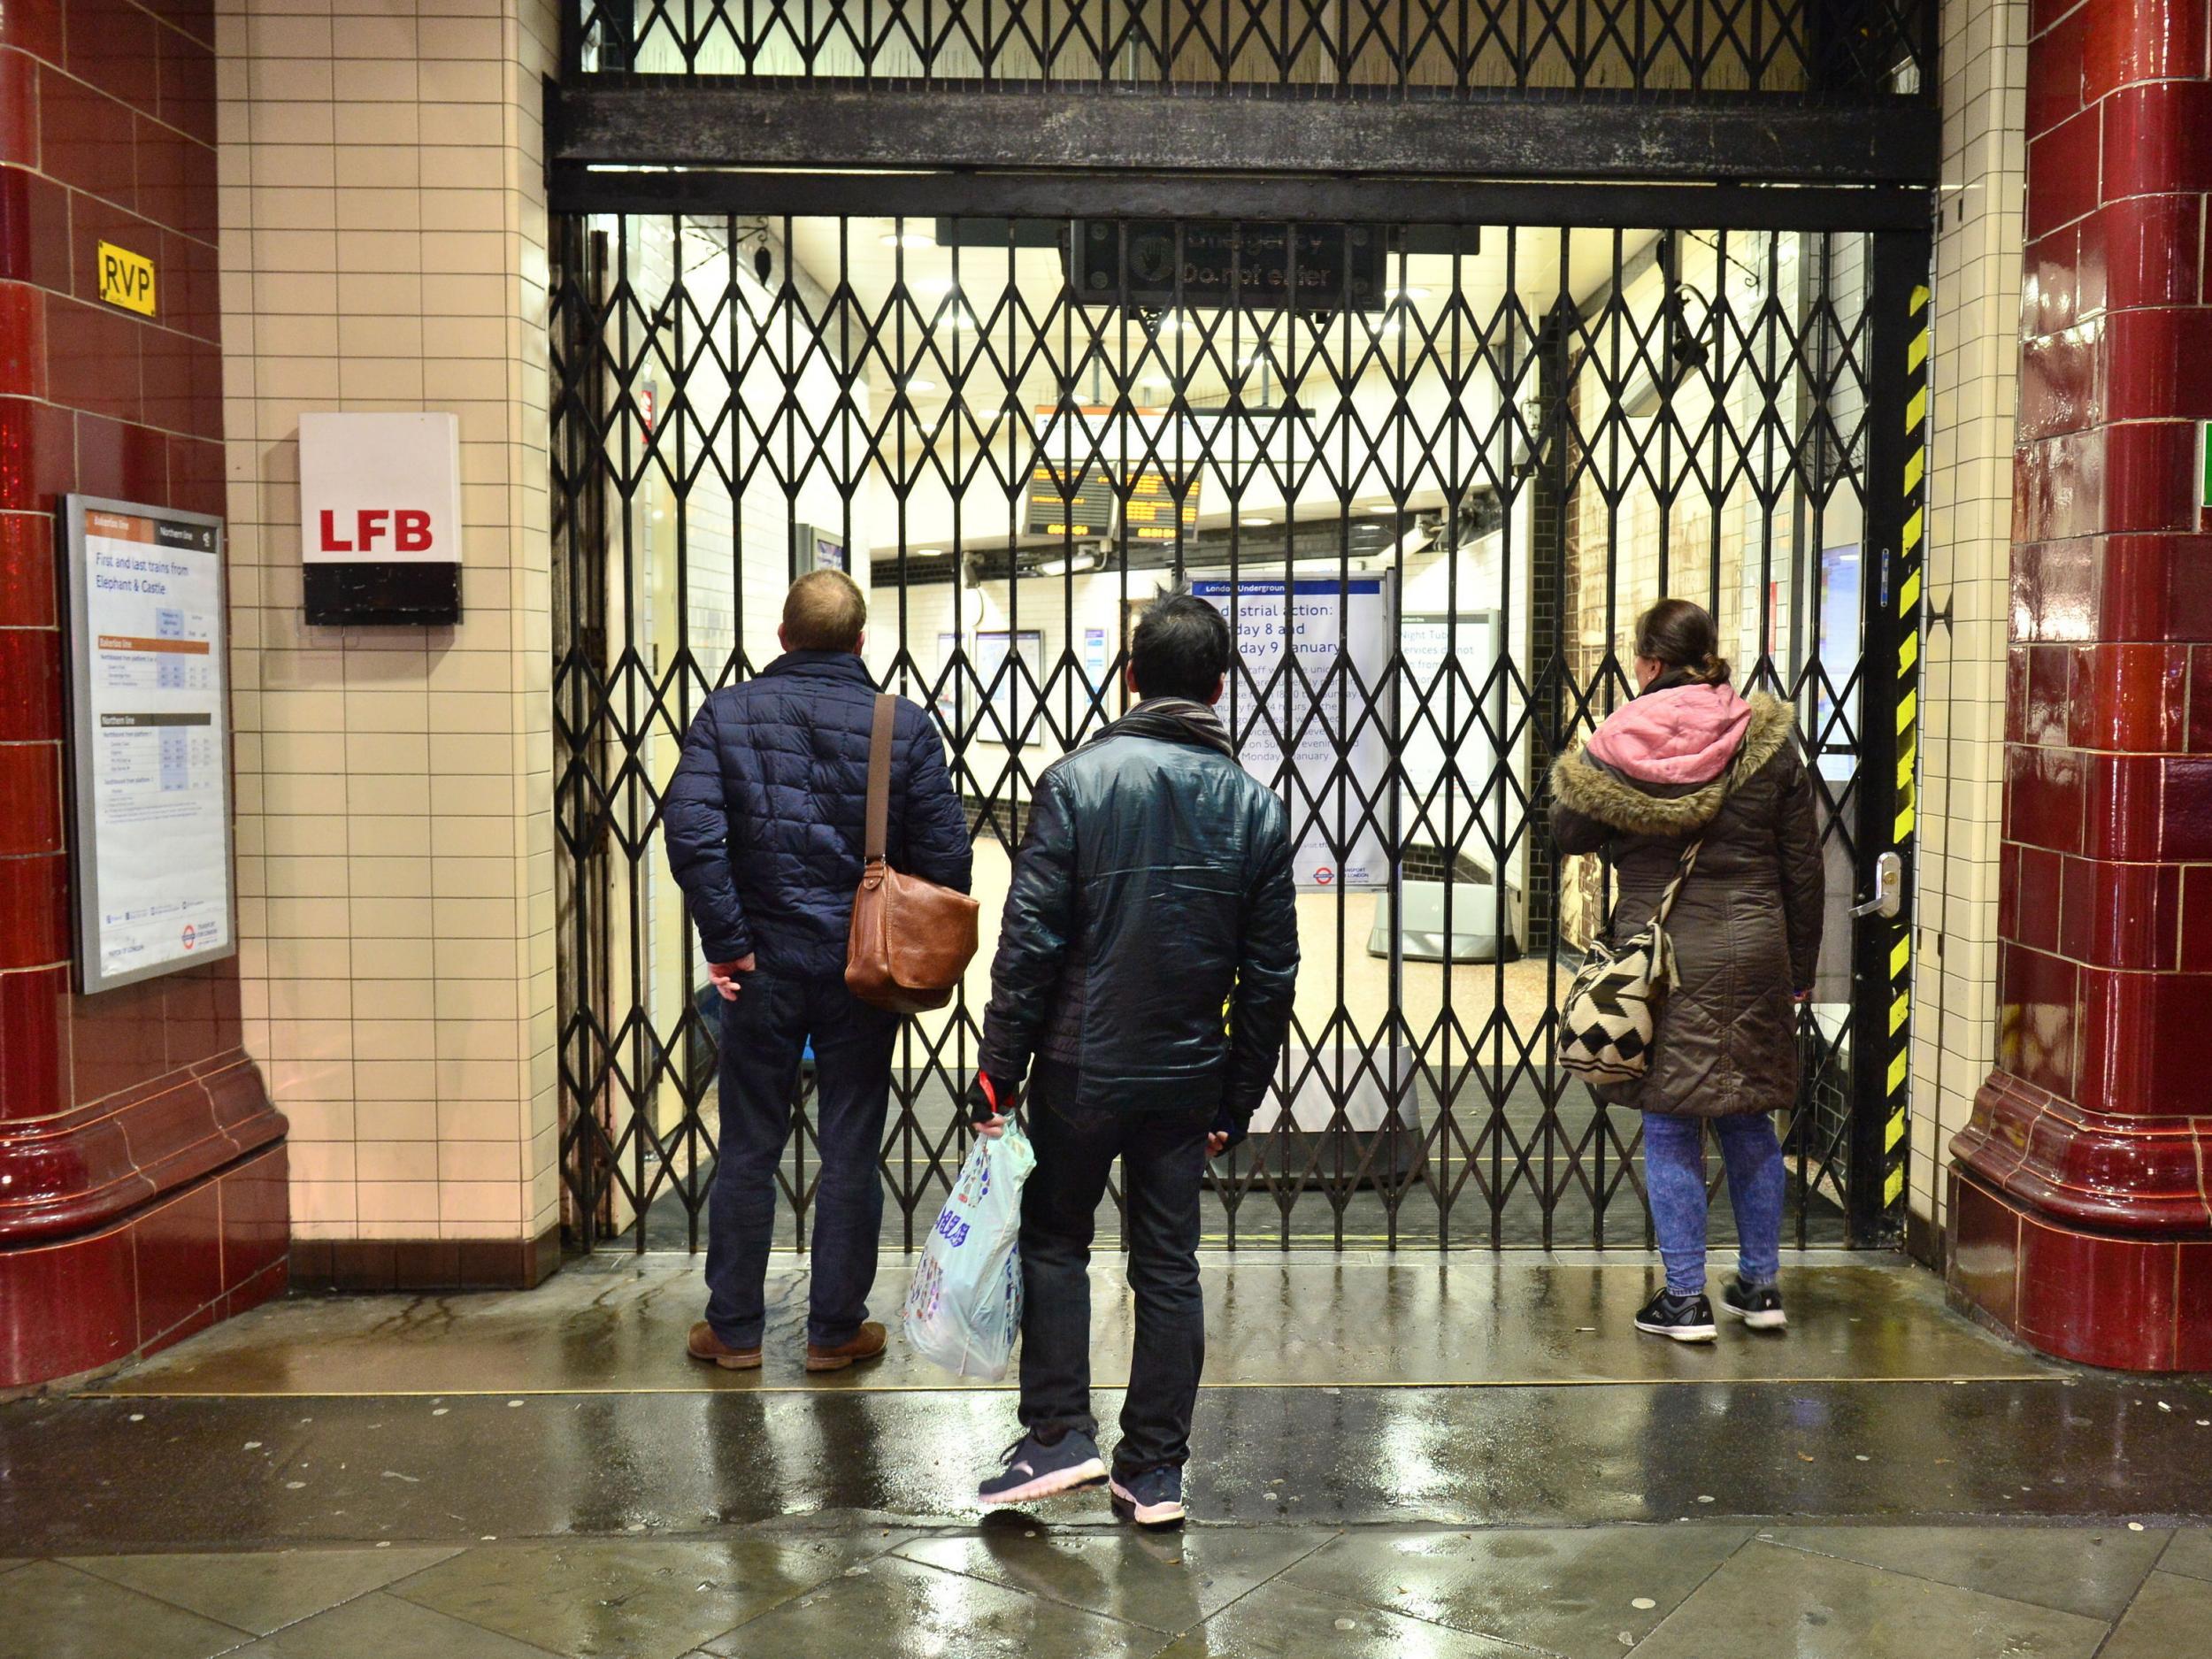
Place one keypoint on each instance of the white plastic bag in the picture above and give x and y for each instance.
(964, 1306)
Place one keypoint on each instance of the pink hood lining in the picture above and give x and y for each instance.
(1686, 734)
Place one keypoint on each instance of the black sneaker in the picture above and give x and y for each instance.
(1684, 1319)
(1758, 1306)
(1154, 1497)
(1035, 1470)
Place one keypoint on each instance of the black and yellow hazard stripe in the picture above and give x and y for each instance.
(1906, 597)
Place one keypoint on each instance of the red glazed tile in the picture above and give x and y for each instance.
(2049, 298)
(34, 229)
(94, 222)
(195, 18)
(2097, 1300)
(2121, 796)
(2157, 140)
(92, 358)
(85, 138)
(257, 1217)
(2193, 1312)
(2016, 729)
(190, 268)
(115, 46)
(2147, 473)
(196, 476)
(188, 86)
(67, 1308)
(18, 108)
(30, 784)
(189, 1017)
(2132, 697)
(33, 899)
(166, 168)
(2185, 809)
(2036, 907)
(121, 460)
(2200, 700)
(2141, 1050)
(26, 570)
(34, 1026)
(2154, 589)
(2062, 173)
(30, 686)
(36, 29)
(2151, 250)
(1984, 1249)
(2158, 363)
(2043, 14)
(2055, 62)
(2059, 486)
(2160, 41)
(36, 444)
(180, 1249)
(22, 341)
(2122, 916)
(2062, 382)
(118, 1042)
(2046, 790)
(2008, 857)
(168, 362)
(2196, 919)
(2049, 686)
(2037, 1020)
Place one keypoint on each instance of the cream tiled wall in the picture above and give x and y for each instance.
(384, 248)
(1975, 379)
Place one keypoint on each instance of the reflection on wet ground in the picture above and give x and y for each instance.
(1446, 1457)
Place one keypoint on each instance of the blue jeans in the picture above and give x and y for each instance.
(762, 1035)
(1674, 1175)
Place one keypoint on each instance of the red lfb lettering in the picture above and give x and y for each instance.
(331, 543)
(410, 531)
(369, 524)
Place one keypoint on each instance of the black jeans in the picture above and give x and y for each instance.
(763, 1036)
(1164, 1162)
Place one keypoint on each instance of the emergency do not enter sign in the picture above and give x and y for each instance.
(126, 279)
(380, 489)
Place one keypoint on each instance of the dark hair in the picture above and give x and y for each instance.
(824, 611)
(1180, 649)
(1676, 633)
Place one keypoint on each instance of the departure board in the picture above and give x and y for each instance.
(1152, 507)
(1063, 502)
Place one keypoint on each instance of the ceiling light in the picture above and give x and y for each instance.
(1256, 521)
(928, 552)
(1406, 294)
(909, 239)
(932, 286)
(1787, 253)
(1076, 565)
(918, 385)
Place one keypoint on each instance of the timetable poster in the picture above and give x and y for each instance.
(152, 810)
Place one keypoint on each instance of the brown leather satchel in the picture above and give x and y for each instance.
(911, 939)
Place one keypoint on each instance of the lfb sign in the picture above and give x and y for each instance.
(380, 489)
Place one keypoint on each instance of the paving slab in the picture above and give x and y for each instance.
(2190, 1553)
(2171, 1619)
(1166, 1580)
(1568, 1591)
(1288, 1618)
(622, 1597)
(892, 1609)
(48, 1610)
(2094, 1571)
(264, 1591)
(617, 1324)
(382, 1626)
(1767, 1600)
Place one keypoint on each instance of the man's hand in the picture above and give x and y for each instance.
(1217, 1143)
(722, 975)
(991, 1102)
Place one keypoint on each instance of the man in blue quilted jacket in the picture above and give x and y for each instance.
(765, 818)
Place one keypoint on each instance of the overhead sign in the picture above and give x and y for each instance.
(1331, 704)
(1168, 265)
(126, 279)
(381, 489)
(150, 817)
(1157, 510)
(1070, 501)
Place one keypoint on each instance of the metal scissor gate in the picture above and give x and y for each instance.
(1432, 471)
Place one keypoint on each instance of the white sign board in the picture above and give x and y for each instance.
(380, 489)
(1451, 729)
(1343, 745)
(148, 679)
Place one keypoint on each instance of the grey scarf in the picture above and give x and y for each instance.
(1173, 720)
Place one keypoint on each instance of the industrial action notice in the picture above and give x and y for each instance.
(153, 806)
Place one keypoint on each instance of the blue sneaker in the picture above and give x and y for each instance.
(1154, 1497)
(1035, 1471)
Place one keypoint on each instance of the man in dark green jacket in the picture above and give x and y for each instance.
(1152, 894)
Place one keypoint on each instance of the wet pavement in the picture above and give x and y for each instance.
(1464, 1458)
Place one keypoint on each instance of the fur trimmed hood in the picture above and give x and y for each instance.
(1601, 793)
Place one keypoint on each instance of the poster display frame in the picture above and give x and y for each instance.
(85, 831)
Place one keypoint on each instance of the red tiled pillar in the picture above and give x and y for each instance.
(2082, 1213)
(142, 1189)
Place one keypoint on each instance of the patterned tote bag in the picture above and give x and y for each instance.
(1611, 1012)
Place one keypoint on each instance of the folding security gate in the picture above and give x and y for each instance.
(1432, 471)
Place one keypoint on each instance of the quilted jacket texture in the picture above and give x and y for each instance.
(1153, 890)
(1746, 929)
(766, 815)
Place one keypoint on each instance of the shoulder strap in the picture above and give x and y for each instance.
(878, 834)
(1689, 854)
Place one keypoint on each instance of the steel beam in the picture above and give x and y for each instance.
(697, 121)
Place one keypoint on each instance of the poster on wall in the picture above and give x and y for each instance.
(1342, 750)
(1451, 710)
(1010, 695)
(151, 852)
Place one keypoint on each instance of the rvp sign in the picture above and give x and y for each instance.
(380, 489)
(126, 279)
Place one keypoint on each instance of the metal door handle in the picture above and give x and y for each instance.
(1889, 888)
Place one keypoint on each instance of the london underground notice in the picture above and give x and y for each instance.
(151, 853)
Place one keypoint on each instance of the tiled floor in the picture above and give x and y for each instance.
(1029, 1586)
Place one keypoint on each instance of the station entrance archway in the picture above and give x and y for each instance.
(1433, 470)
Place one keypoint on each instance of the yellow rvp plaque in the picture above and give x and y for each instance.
(126, 279)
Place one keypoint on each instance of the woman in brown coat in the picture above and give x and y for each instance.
(1688, 756)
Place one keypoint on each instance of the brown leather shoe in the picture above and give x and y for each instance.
(867, 1343)
(703, 1344)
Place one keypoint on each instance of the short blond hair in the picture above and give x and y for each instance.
(824, 611)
